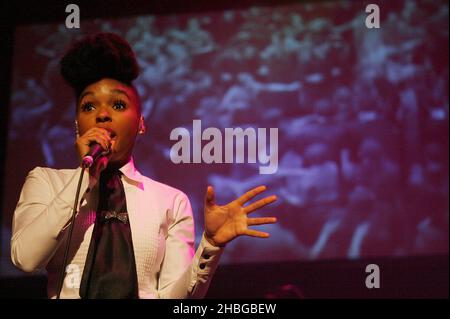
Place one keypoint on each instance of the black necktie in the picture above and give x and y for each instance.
(110, 269)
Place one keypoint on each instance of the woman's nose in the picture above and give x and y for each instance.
(103, 116)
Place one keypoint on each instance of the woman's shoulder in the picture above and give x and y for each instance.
(52, 173)
(51, 170)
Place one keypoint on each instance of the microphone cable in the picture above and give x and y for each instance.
(71, 226)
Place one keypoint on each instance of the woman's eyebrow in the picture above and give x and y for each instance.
(86, 93)
(116, 91)
(120, 92)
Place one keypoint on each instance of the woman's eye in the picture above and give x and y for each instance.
(119, 105)
(86, 107)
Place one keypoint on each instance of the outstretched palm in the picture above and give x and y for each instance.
(224, 223)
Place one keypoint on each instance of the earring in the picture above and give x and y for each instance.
(142, 126)
(77, 132)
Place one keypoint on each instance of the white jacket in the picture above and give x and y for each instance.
(161, 224)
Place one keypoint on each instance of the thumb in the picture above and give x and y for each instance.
(210, 196)
(112, 147)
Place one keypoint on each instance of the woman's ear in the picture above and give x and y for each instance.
(142, 127)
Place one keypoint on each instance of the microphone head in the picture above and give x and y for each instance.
(87, 161)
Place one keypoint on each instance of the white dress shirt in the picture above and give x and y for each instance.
(162, 229)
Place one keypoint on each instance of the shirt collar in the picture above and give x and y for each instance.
(130, 171)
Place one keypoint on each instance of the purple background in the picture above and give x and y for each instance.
(362, 116)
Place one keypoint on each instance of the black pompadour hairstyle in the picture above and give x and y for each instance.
(94, 57)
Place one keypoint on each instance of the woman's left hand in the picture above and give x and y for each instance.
(224, 223)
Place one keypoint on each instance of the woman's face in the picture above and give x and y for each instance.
(114, 106)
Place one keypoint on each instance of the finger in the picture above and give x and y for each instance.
(261, 221)
(102, 132)
(113, 146)
(106, 133)
(92, 133)
(256, 233)
(210, 196)
(250, 194)
(99, 132)
(100, 129)
(261, 203)
(100, 140)
(103, 142)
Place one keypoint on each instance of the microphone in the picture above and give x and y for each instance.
(94, 153)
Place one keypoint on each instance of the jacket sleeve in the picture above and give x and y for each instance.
(40, 218)
(185, 274)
